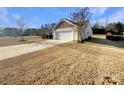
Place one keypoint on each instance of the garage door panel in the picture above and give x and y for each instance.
(68, 35)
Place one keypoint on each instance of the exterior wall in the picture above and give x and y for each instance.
(75, 33)
(84, 32)
(88, 32)
(54, 35)
(64, 29)
(79, 34)
(64, 25)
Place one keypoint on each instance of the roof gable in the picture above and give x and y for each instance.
(64, 23)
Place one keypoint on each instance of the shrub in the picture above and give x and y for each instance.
(115, 38)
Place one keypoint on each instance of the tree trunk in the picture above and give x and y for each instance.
(22, 36)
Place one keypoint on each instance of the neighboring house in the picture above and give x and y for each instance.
(8, 31)
(68, 30)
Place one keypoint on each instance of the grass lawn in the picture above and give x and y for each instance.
(7, 41)
(70, 63)
(101, 39)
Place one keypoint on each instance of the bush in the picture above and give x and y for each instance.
(47, 36)
(115, 38)
(89, 38)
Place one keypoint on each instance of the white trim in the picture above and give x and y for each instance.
(64, 29)
(70, 22)
(56, 24)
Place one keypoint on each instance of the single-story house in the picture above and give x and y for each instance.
(68, 30)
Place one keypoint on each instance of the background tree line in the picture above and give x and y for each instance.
(45, 29)
(114, 28)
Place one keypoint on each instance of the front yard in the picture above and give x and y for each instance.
(7, 41)
(70, 63)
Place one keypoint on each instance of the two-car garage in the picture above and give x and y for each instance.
(64, 35)
(69, 30)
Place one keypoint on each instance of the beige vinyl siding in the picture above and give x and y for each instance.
(75, 35)
(63, 25)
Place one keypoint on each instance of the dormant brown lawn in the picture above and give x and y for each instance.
(70, 63)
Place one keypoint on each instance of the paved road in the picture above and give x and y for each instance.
(16, 50)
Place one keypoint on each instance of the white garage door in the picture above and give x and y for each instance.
(67, 35)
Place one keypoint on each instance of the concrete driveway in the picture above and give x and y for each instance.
(16, 50)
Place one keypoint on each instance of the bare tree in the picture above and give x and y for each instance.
(80, 15)
(21, 24)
